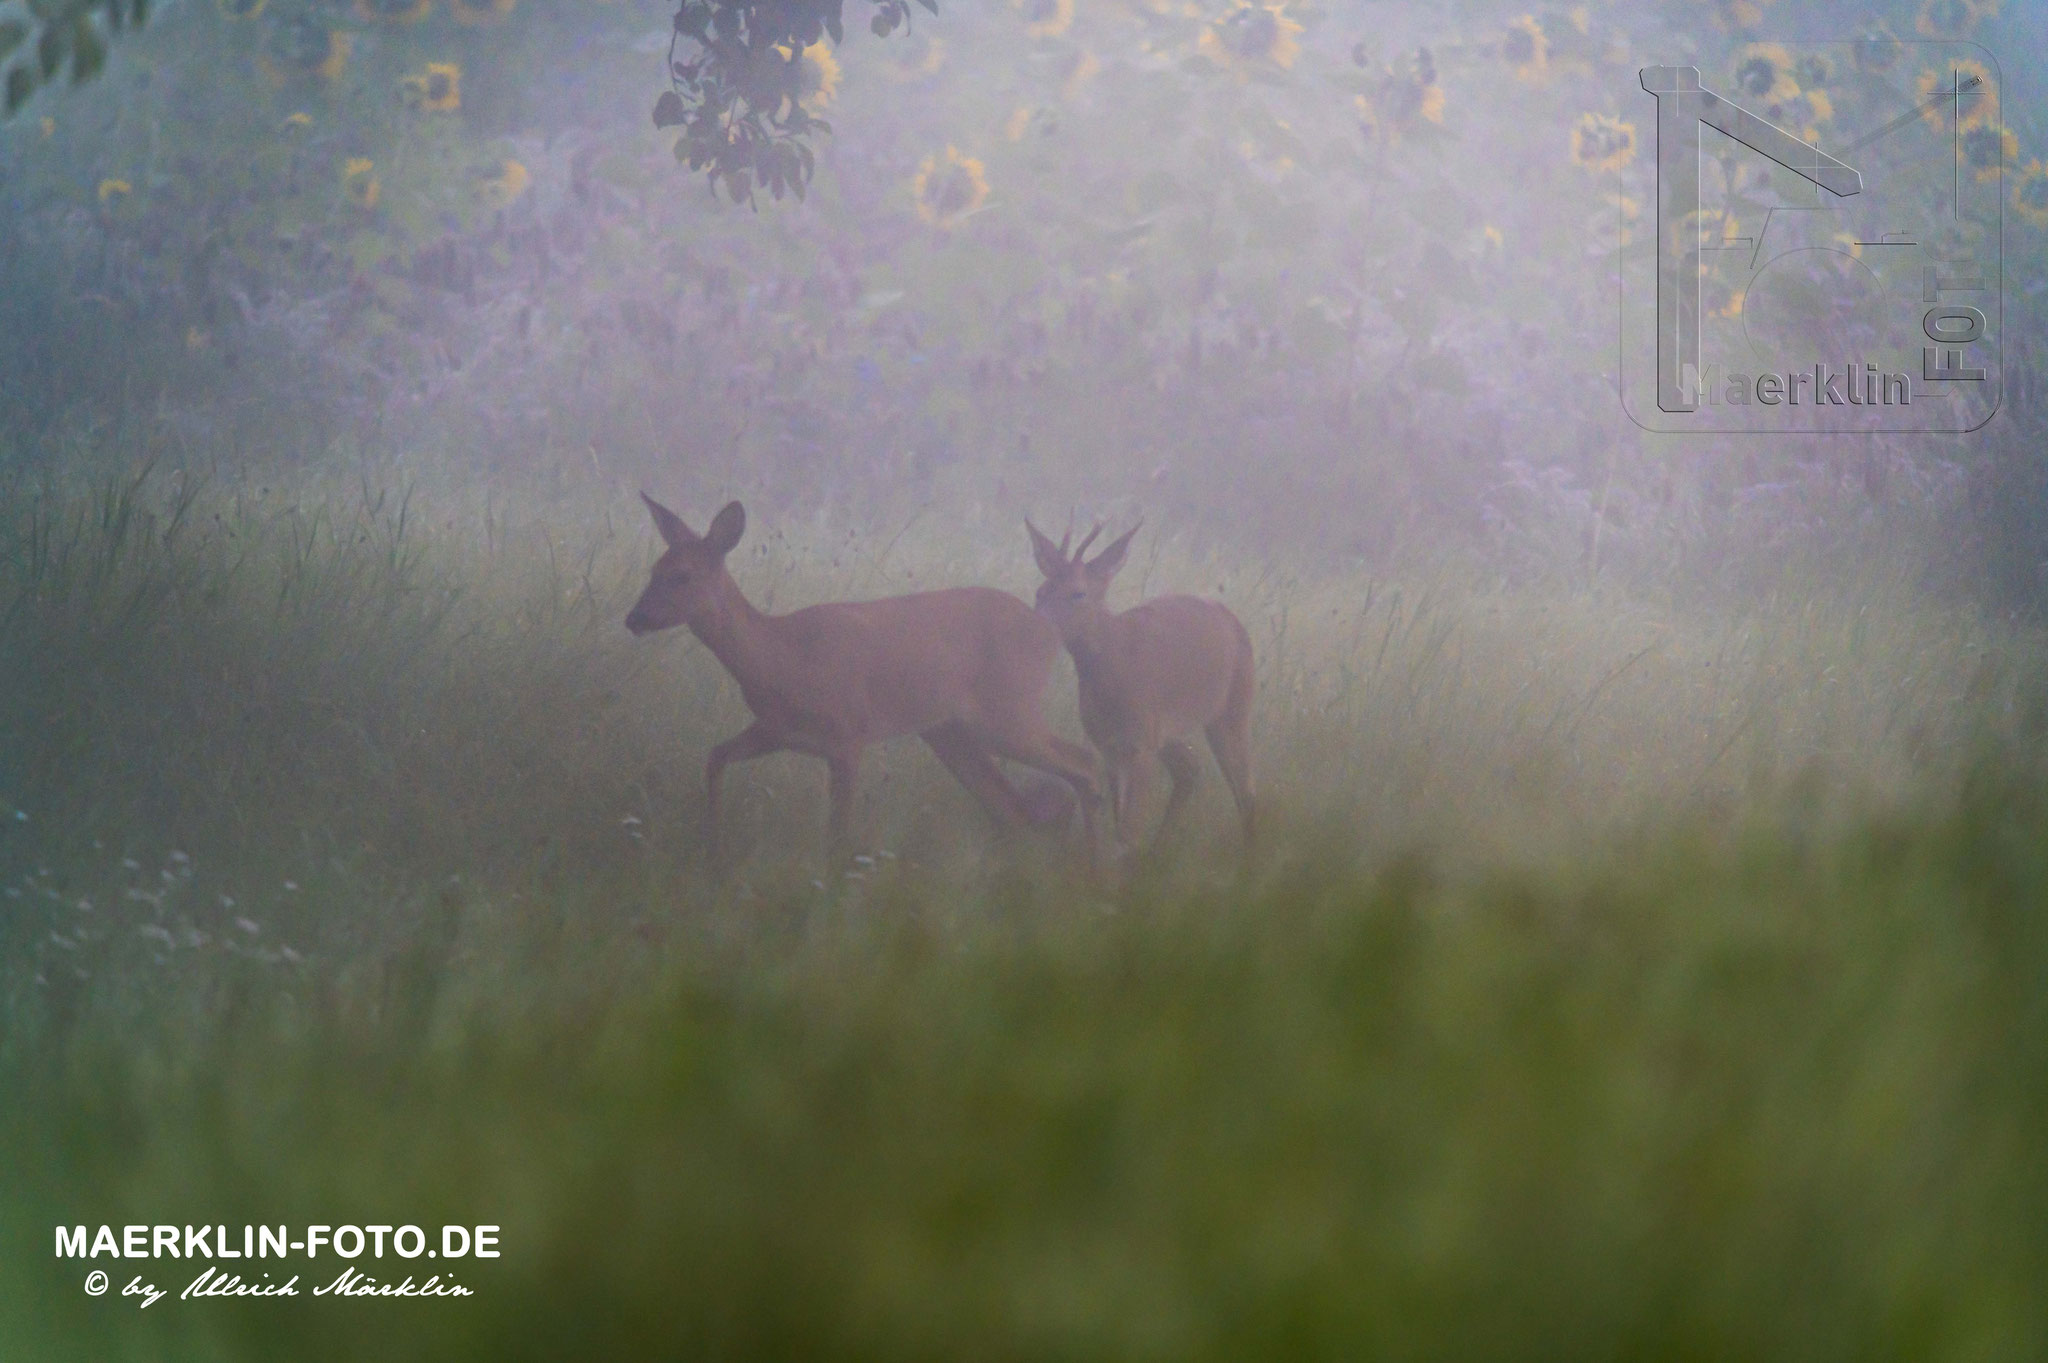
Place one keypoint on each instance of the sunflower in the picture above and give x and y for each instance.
(1763, 71)
(393, 11)
(1603, 143)
(436, 90)
(302, 46)
(1813, 70)
(1977, 104)
(1730, 15)
(817, 77)
(358, 185)
(1045, 18)
(241, 9)
(1988, 150)
(1406, 100)
(481, 11)
(1945, 18)
(1525, 48)
(2030, 193)
(949, 191)
(511, 181)
(1703, 229)
(1251, 34)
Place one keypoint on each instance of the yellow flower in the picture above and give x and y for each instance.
(436, 90)
(241, 9)
(1525, 48)
(1978, 102)
(1734, 14)
(1763, 72)
(1948, 18)
(818, 81)
(109, 188)
(949, 192)
(358, 185)
(298, 120)
(1988, 150)
(1494, 237)
(394, 11)
(49, 126)
(2030, 193)
(1846, 242)
(1250, 35)
(1406, 100)
(481, 11)
(1045, 18)
(1704, 230)
(1601, 143)
(512, 180)
(1018, 123)
(302, 46)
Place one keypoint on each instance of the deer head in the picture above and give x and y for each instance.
(1074, 585)
(689, 579)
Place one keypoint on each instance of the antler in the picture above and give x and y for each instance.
(1082, 547)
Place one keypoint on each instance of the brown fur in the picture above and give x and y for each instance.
(965, 668)
(1151, 678)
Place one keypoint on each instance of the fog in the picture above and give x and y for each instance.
(1617, 429)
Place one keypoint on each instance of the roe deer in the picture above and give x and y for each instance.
(965, 668)
(1150, 678)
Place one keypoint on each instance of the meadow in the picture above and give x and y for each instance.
(1627, 969)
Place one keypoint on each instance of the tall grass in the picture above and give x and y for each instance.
(1619, 978)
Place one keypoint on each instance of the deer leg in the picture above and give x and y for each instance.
(1048, 752)
(1185, 769)
(1134, 794)
(975, 768)
(1233, 749)
(756, 740)
(844, 768)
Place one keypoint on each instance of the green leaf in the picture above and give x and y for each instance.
(13, 33)
(668, 110)
(21, 83)
(932, 5)
(833, 25)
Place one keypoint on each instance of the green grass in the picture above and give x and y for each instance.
(1618, 980)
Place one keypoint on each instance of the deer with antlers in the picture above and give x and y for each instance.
(1151, 678)
(965, 668)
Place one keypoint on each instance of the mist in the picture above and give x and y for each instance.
(1577, 473)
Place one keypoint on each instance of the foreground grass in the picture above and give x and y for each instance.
(1616, 982)
(1779, 1097)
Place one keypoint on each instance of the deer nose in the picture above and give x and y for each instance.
(637, 622)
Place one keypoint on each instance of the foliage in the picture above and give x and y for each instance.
(737, 89)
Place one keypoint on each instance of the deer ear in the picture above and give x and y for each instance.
(1050, 561)
(670, 526)
(1104, 565)
(726, 528)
